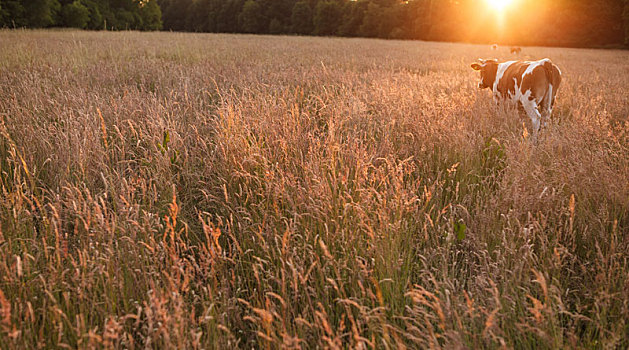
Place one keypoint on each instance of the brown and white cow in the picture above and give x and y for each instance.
(533, 84)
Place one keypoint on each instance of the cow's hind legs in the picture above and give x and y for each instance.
(545, 118)
(531, 110)
(547, 106)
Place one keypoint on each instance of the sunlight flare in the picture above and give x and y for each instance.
(499, 5)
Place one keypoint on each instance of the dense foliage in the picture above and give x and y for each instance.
(539, 22)
(86, 14)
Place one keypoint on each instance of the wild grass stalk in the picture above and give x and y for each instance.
(168, 190)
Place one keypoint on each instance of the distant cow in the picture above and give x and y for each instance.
(534, 84)
(516, 50)
(494, 47)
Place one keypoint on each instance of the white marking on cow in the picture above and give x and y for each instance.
(533, 65)
(502, 68)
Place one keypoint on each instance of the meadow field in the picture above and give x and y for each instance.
(169, 190)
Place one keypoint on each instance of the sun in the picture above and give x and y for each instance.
(499, 5)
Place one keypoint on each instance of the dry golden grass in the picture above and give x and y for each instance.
(165, 190)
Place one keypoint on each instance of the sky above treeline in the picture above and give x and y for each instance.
(580, 23)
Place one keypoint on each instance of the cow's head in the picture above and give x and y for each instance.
(488, 69)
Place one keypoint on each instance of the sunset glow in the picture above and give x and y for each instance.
(499, 5)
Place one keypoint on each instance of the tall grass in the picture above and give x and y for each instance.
(164, 190)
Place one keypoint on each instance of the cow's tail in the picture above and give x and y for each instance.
(554, 77)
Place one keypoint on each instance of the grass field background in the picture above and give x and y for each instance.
(203, 191)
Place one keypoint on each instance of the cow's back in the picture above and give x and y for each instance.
(528, 78)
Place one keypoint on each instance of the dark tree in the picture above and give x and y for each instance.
(301, 18)
(41, 13)
(227, 17)
(278, 11)
(353, 16)
(75, 14)
(202, 16)
(96, 20)
(151, 15)
(175, 14)
(625, 17)
(327, 17)
(251, 19)
(12, 13)
(372, 21)
(275, 27)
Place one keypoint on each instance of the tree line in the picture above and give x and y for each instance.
(84, 14)
(528, 22)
